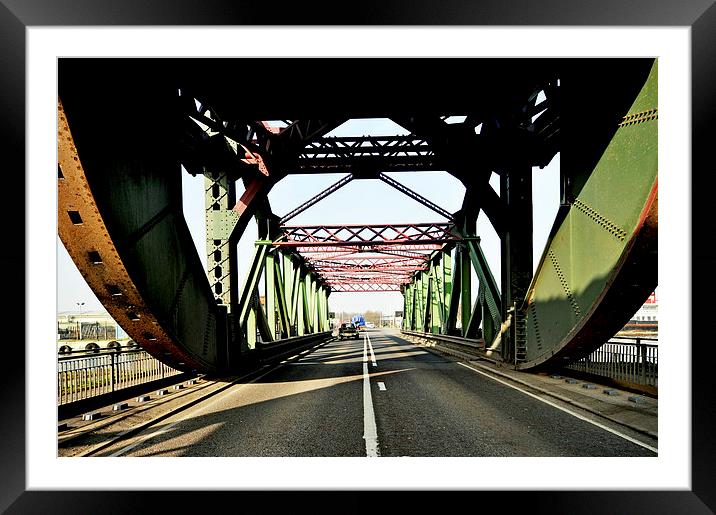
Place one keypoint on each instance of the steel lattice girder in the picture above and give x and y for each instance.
(433, 294)
(365, 287)
(389, 249)
(391, 270)
(362, 235)
(366, 156)
(377, 261)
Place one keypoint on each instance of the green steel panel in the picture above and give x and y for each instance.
(324, 309)
(447, 291)
(489, 329)
(475, 317)
(270, 289)
(252, 281)
(436, 294)
(301, 307)
(419, 303)
(487, 281)
(281, 302)
(578, 265)
(221, 255)
(427, 299)
(408, 306)
(251, 329)
(466, 287)
(308, 301)
(455, 286)
(296, 310)
(288, 274)
(220, 223)
(267, 333)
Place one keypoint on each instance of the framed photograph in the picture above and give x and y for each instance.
(36, 34)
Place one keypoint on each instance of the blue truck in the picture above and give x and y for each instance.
(358, 321)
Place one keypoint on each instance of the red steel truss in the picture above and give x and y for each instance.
(359, 287)
(354, 258)
(329, 252)
(366, 235)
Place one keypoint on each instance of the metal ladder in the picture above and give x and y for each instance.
(519, 335)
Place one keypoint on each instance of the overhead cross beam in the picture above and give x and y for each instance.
(358, 235)
(366, 156)
(363, 287)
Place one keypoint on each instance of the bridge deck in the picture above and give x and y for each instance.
(406, 400)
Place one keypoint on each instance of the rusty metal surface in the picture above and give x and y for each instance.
(109, 280)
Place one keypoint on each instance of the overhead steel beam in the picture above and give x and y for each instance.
(415, 196)
(317, 198)
(363, 287)
(365, 235)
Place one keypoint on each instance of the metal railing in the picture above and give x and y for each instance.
(630, 362)
(92, 374)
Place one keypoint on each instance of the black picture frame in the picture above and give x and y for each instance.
(17, 15)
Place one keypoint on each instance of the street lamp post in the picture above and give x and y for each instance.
(79, 320)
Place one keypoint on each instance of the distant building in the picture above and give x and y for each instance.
(88, 326)
(648, 312)
(645, 321)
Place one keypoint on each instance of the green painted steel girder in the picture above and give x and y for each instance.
(281, 299)
(455, 287)
(425, 304)
(466, 289)
(221, 258)
(435, 294)
(601, 263)
(251, 282)
(298, 293)
(300, 306)
(270, 293)
(447, 291)
(488, 286)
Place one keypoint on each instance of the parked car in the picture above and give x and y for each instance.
(347, 331)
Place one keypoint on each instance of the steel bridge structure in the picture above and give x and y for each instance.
(127, 127)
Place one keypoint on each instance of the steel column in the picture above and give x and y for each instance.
(221, 255)
(281, 298)
(455, 290)
(426, 302)
(447, 291)
(516, 243)
(288, 278)
(489, 295)
(301, 302)
(466, 287)
(435, 293)
(270, 293)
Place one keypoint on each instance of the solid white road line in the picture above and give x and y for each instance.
(370, 346)
(370, 430)
(632, 440)
(381, 386)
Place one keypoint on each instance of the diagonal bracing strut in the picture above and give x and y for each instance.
(415, 196)
(317, 198)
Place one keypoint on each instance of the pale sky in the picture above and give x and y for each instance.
(360, 201)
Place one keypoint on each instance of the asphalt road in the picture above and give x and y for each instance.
(379, 395)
